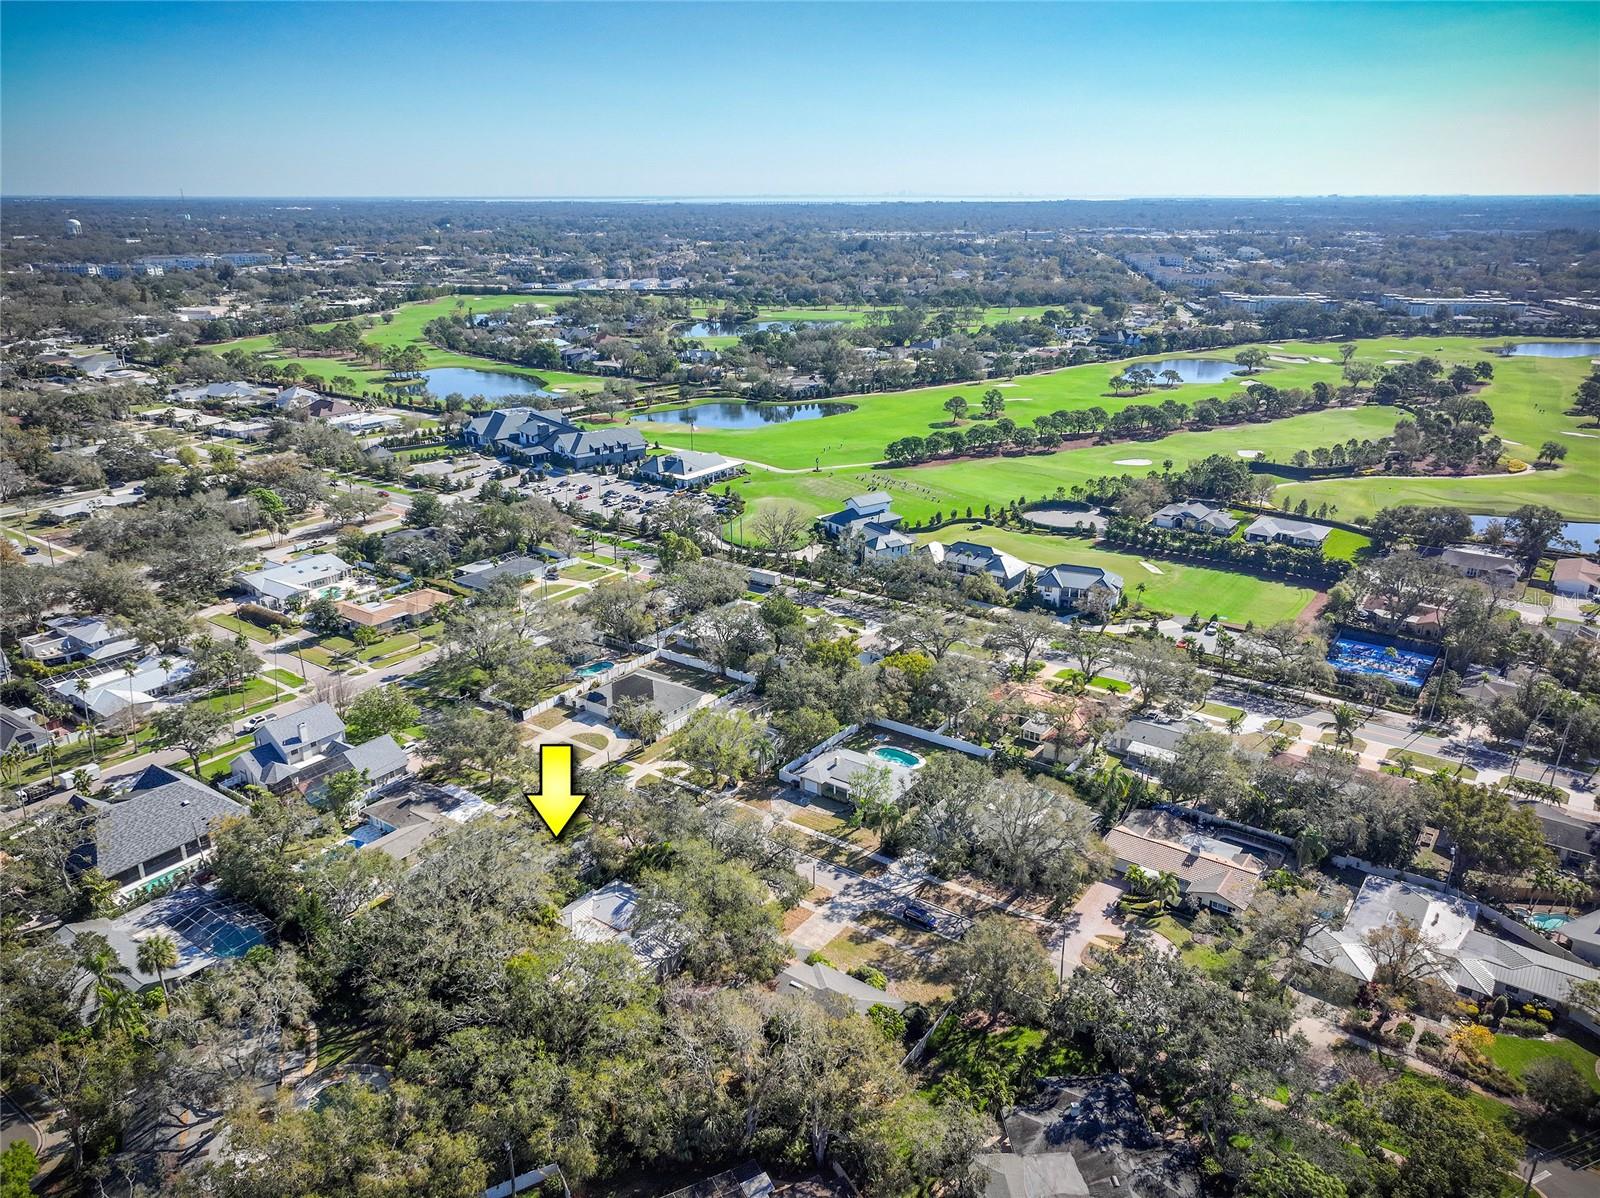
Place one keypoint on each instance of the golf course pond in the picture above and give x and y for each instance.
(743, 415)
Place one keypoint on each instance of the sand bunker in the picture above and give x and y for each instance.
(1248, 453)
(1149, 567)
(1131, 462)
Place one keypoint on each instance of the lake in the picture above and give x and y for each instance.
(718, 328)
(1557, 349)
(745, 415)
(1587, 535)
(450, 380)
(1193, 370)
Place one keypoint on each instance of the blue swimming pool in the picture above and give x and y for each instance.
(593, 668)
(1352, 654)
(366, 834)
(1548, 921)
(898, 756)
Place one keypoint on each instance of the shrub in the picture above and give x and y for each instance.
(815, 957)
(1557, 1086)
(1522, 1027)
(1430, 1039)
(871, 976)
(1404, 1030)
(1545, 1015)
(888, 1021)
(263, 616)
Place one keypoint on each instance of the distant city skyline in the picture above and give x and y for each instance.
(799, 102)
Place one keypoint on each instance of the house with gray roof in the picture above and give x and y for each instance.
(1151, 742)
(833, 986)
(289, 584)
(1483, 565)
(685, 468)
(480, 576)
(1193, 515)
(303, 749)
(1265, 530)
(1067, 587)
(1461, 957)
(20, 729)
(1212, 873)
(159, 828)
(867, 528)
(969, 557)
(79, 638)
(540, 437)
(1085, 1137)
(673, 700)
(607, 915)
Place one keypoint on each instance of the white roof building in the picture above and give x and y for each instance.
(300, 580)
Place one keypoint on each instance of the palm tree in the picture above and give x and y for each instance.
(157, 954)
(1346, 719)
(1164, 889)
(82, 687)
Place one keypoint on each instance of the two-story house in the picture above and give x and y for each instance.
(303, 749)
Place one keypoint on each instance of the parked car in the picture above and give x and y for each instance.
(919, 916)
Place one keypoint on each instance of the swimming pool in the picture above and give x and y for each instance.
(898, 756)
(594, 667)
(1351, 654)
(1548, 921)
(366, 834)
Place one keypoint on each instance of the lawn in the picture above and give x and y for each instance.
(1528, 395)
(1515, 1053)
(1425, 763)
(1180, 588)
(910, 976)
(245, 628)
(1202, 956)
(406, 327)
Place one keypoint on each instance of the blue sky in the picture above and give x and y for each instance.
(502, 99)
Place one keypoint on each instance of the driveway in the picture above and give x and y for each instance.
(1094, 914)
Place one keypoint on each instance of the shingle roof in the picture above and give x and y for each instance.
(164, 811)
(321, 722)
(1070, 577)
(379, 757)
(817, 978)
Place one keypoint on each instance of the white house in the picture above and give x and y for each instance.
(116, 692)
(1265, 530)
(684, 468)
(606, 916)
(1194, 516)
(282, 587)
(1577, 577)
(1067, 586)
(1485, 565)
(78, 638)
(969, 557)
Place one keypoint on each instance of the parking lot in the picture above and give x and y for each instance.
(608, 495)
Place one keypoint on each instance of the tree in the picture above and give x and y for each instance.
(19, 1164)
(927, 628)
(194, 728)
(156, 954)
(780, 526)
(1291, 1176)
(1024, 634)
(639, 718)
(719, 742)
(1000, 968)
(468, 736)
(1489, 830)
(1535, 528)
(1159, 670)
(380, 711)
(716, 911)
(994, 404)
(1346, 719)
(957, 407)
(344, 791)
(1449, 1146)
(1551, 452)
(1251, 359)
(1557, 1086)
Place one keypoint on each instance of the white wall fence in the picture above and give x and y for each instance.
(790, 772)
(699, 663)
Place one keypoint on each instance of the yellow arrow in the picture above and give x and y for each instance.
(555, 802)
